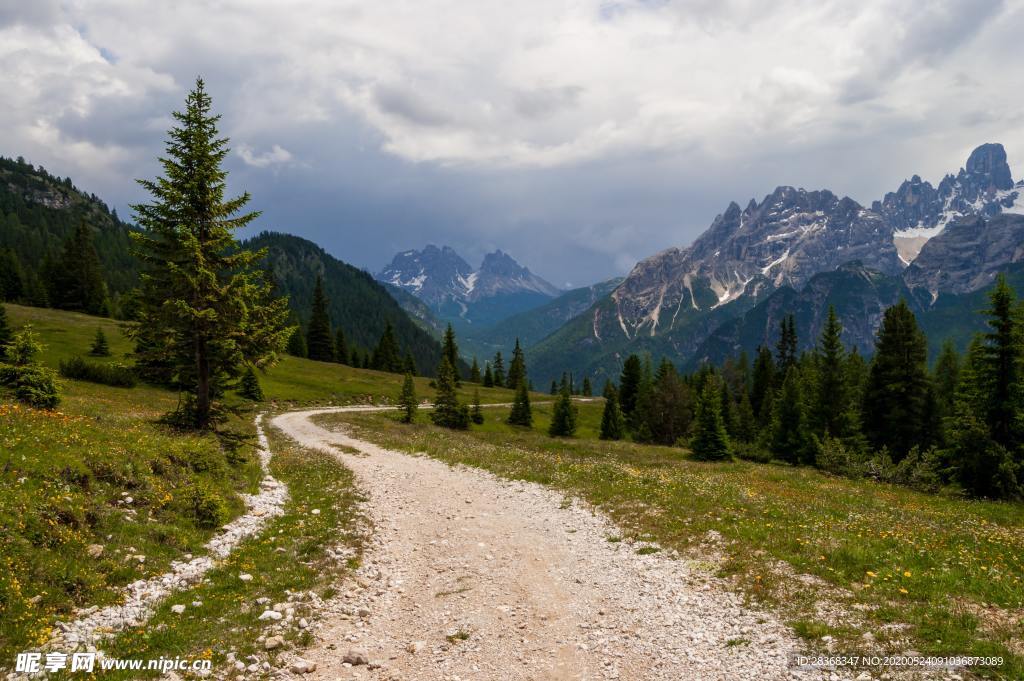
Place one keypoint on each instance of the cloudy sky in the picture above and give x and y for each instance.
(578, 135)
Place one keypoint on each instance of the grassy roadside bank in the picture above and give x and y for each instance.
(861, 566)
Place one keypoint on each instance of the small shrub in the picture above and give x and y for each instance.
(750, 451)
(203, 505)
(34, 385)
(100, 347)
(117, 375)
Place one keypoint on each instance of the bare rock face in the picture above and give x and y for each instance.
(968, 254)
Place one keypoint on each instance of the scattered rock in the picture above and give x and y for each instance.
(270, 615)
(416, 647)
(356, 656)
(245, 577)
(94, 550)
(178, 609)
(273, 643)
(301, 666)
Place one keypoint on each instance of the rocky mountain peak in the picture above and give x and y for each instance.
(987, 169)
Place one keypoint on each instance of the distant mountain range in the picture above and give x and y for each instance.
(755, 263)
(467, 297)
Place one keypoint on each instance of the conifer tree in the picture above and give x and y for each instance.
(830, 411)
(1002, 352)
(474, 372)
(746, 422)
(789, 438)
(297, 343)
(341, 351)
(522, 413)
(450, 349)
(786, 348)
(249, 386)
(613, 425)
(896, 396)
(447, 410)
(100, 347)
(75, 281)
(710, 441)
(476, 414)
(762, 382)
(319, 341)
(498, 370)
(488, 376)
(587, 390)
(12, 278)
(664, 409)
(409, 365)
(516, 368)
(407, 401)
(629, 384)
(387, 356)
(640, 421)
(367, 360)
(205, 307)
(856, 377)
(563, 416)
(6, 333)
(554, 387)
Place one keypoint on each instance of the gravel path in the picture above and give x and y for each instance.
(473, 577)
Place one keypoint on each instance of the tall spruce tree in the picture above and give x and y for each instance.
(205, 308)
(75, 281)
(474, 372)
(6, 333)
(476, 414)
(516, 368)
(498, 370)
(746, 422)
(341, 351)
(447, 410)
(629, 384)
(12, 278)
(319, 341)
(249, 386)
(296, 343)
(522, 413)
(786, 348)
(710, 441)
(789, 437)
(387, 356)
(563, 416)
(488, 376)
(1001, 373)
(407, 402)
(896, 396)
(587, 390)
(409, 364)
(450, 349)
(613, 426)
(762, 382)
(830, 410)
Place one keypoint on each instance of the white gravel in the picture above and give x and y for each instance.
(141, 597)
(525, 587)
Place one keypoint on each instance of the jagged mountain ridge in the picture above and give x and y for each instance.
(673, 301)
(480, 297)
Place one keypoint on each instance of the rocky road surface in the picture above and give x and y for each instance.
(472, 577)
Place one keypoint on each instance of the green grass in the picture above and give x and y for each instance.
(883, 554)
(290, 555)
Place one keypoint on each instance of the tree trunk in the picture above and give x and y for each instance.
(202, 383)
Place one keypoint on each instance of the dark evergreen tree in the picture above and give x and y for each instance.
(522, 413)
(830, 408)
(629, 384)
(476, 414)
(450, 349)
(554, 387)
(896, 396)
(447, 410)
(6, 332)
(613, 426)
(498, 370)
(516, 368)
(786, 348)
(249, 386)
(762, 382)
(945, 379)
(297, 343)
(12, 278)
(488, 376)
(563, 416)
(407, 401)
(341, 351)
(319, 341)
(474, 372)
(75, 281)
(666, 407)
(1001, 373)
(587, 390)
(789, 437)
(710, 441)
(100, 347)
(387, 356)
(214, 309)
(409, 364)
(746, 422)
(641, 421)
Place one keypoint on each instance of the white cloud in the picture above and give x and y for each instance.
(276, 155)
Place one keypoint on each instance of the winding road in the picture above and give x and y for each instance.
(469, 576)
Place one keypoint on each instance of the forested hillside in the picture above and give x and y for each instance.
(360, 305)
(39, 212)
